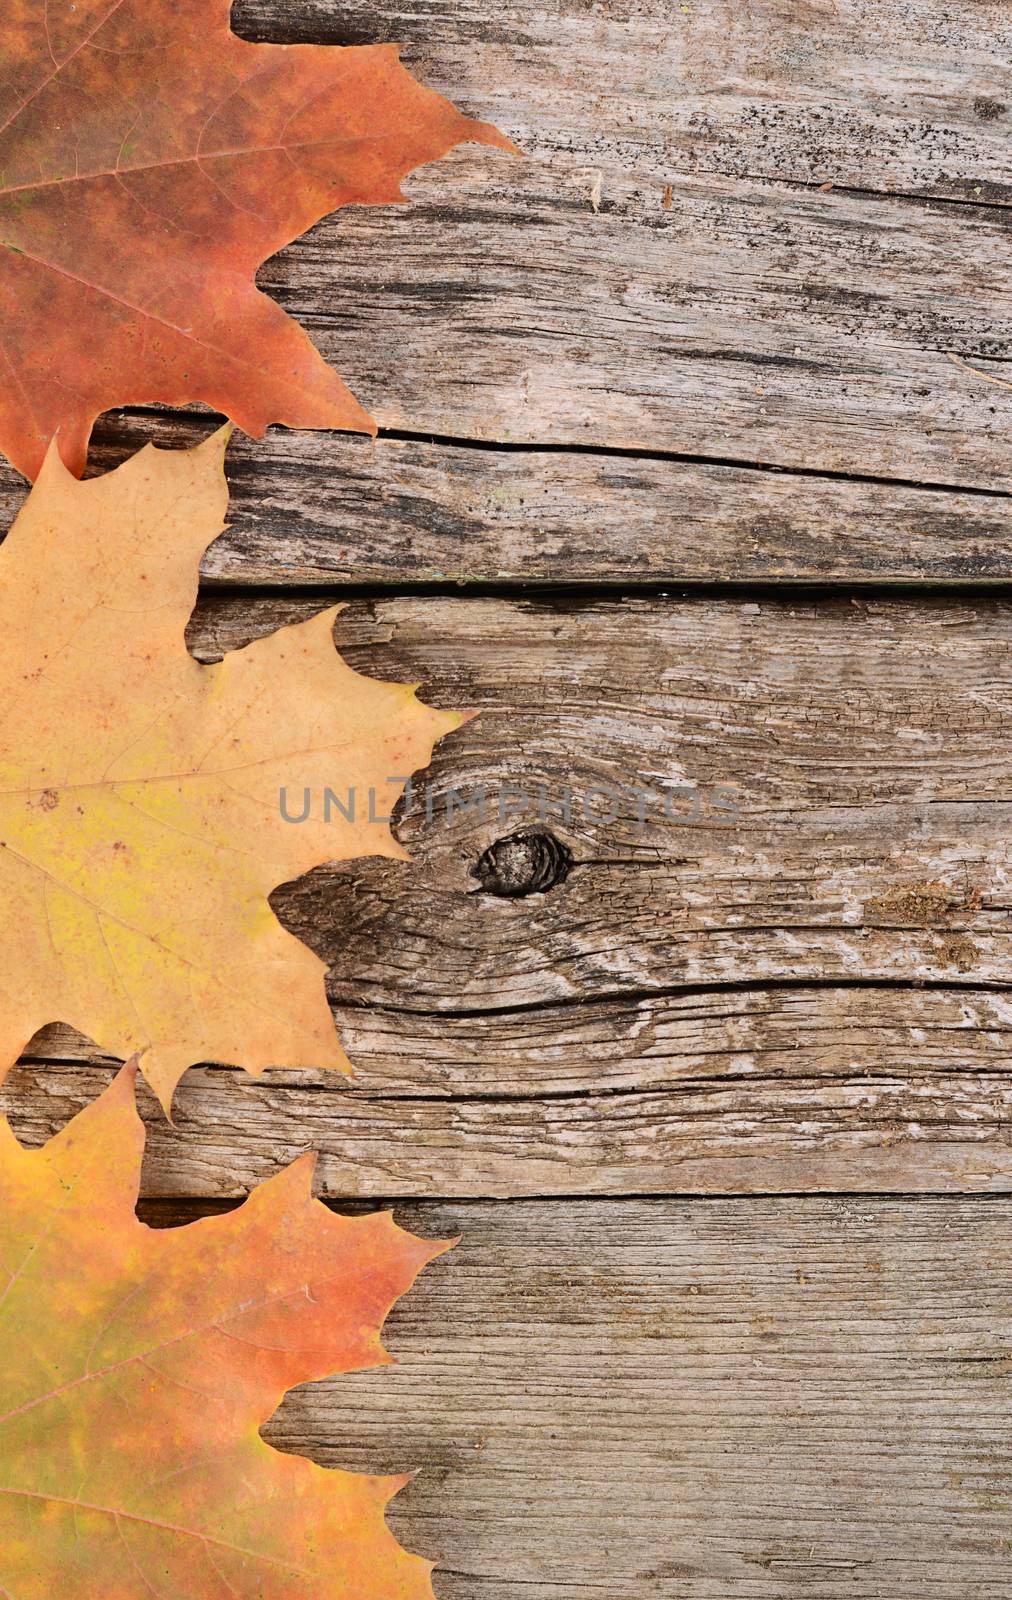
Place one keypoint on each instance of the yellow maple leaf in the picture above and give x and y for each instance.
(140, 825)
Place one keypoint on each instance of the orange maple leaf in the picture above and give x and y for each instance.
(150, 161)
(141, 826)
(138, 1365)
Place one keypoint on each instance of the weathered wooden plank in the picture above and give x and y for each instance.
(620, 288)
(609, 290)
(866, 746)
(507, 1043)
(729, 1400)
(332, 509)
(787, 91)
(748, 321)
(762, 1091)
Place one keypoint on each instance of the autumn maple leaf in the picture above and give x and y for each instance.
(150, 161)
(137, 1366)
(140, 824)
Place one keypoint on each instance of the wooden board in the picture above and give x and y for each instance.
(665, 270)
(751, 1091)
(722, 1400)
(812, 997)
(865, 746)
(330, 509)
(874, 95)
(752, 321)
(657, 275)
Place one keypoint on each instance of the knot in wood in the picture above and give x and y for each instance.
(531, 861)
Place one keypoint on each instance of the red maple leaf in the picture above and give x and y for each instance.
(150, 161)
(138, 1365)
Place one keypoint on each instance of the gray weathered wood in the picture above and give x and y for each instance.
(332, 509)
(750, 321)
(875, 94)
(757, 1091)
(727, 1400)
(652, 276)
(722, 1399)
(561, 1042)
(866, 745)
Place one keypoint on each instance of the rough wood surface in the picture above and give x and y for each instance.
(565, 1041)
(331, 509)
(866, 746)
(745, 237)
(656, 275)
(762, 1091)
(728, 1400)
(750, 321)
(874, 94)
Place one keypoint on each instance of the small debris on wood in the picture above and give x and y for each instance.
(988, 377)
(959, 951)
(923, 904)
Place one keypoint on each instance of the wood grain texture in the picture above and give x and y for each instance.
(865, 745)
(745, 237)
(876, 94)
(748, 321)
(852, 919)
(663, 271)
(726, 1400)
(313, 509)
(751, 1091)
